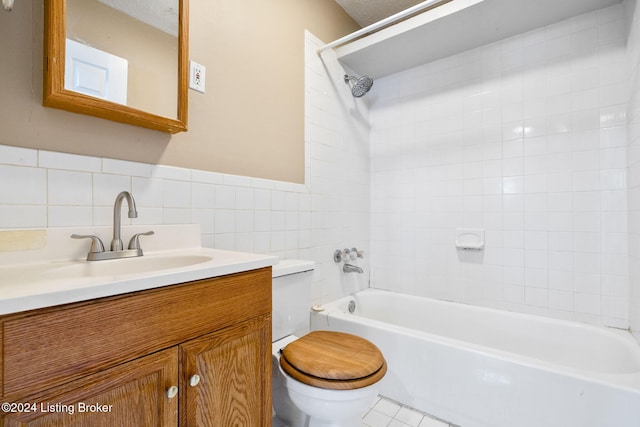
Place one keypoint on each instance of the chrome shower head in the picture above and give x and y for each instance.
(361, 86)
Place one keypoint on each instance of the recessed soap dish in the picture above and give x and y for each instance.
(470, 239)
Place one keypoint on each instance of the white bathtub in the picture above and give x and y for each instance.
(479, 367)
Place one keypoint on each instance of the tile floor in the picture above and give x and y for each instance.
(387, 413)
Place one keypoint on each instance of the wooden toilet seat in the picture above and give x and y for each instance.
(333, 360)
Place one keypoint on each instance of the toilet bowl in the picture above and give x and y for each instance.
(320, 378)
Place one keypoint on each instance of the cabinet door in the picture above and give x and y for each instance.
(131, 394)
(226, 377)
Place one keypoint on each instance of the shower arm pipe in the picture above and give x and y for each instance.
(382, 23)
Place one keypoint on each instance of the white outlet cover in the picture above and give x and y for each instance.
(197, 74)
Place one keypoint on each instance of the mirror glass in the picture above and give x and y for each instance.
(123, 60)
(135, 65)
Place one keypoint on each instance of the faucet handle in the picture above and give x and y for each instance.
(134, 243)
(356, 253)
(96, 243)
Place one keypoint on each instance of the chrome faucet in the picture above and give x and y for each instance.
(346, 255)
(116, 243)
(97, 251)
(350, 268)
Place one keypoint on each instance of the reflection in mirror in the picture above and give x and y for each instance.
(124, 60)
(149, 45)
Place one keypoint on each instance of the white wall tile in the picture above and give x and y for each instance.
(244, 221)
(225, 221)
(146, 215)
(237, 181)
(23, 185)
(202, 196)
(176, 216)
(55, 160)
(244, 198)
(124, 167)
(225, 197)
(18, 156)
(23, 216)
(206, 177)
(171, 173)
(70, 188)
(148, 192)
(69, 216)
(177, 194)
(106, 188)
(555, 148)
(206, 219)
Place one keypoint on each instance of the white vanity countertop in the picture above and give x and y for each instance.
(44, 283)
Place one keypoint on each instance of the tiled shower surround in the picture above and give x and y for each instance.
(535, 139)
(525, 138)
(632, 13)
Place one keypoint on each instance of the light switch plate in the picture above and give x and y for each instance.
(197, 75)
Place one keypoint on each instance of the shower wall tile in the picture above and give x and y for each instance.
(525, 138)
(616, 290)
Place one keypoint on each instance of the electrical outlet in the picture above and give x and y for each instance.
(197, 74)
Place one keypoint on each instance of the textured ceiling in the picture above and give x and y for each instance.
(162, 14)
(367, 12)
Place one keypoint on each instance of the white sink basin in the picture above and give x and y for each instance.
(51, 271)
(125, 266)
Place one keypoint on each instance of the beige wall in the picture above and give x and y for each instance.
(250, 121)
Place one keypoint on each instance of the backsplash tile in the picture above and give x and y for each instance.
(18, 156)
(106, 185)
(124, 167)
(22, 216)
(72, 162)
(69, 188)
(20, 185)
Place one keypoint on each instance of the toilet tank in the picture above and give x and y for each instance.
(291, 297)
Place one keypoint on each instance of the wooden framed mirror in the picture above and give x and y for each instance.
(117, 61)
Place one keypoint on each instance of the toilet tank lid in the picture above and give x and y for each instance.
(292, 266)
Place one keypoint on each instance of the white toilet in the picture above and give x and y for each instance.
(321, 378)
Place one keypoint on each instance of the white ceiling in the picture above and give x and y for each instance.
(452, 28)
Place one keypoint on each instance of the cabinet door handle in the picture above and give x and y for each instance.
(194, 380)
(172, 392)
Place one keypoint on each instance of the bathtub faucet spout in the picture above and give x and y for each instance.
(350, 268)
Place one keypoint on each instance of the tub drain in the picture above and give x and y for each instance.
(352, 306)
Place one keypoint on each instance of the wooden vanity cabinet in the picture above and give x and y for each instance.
(211, 339)
(224, 379)
(131, 394)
